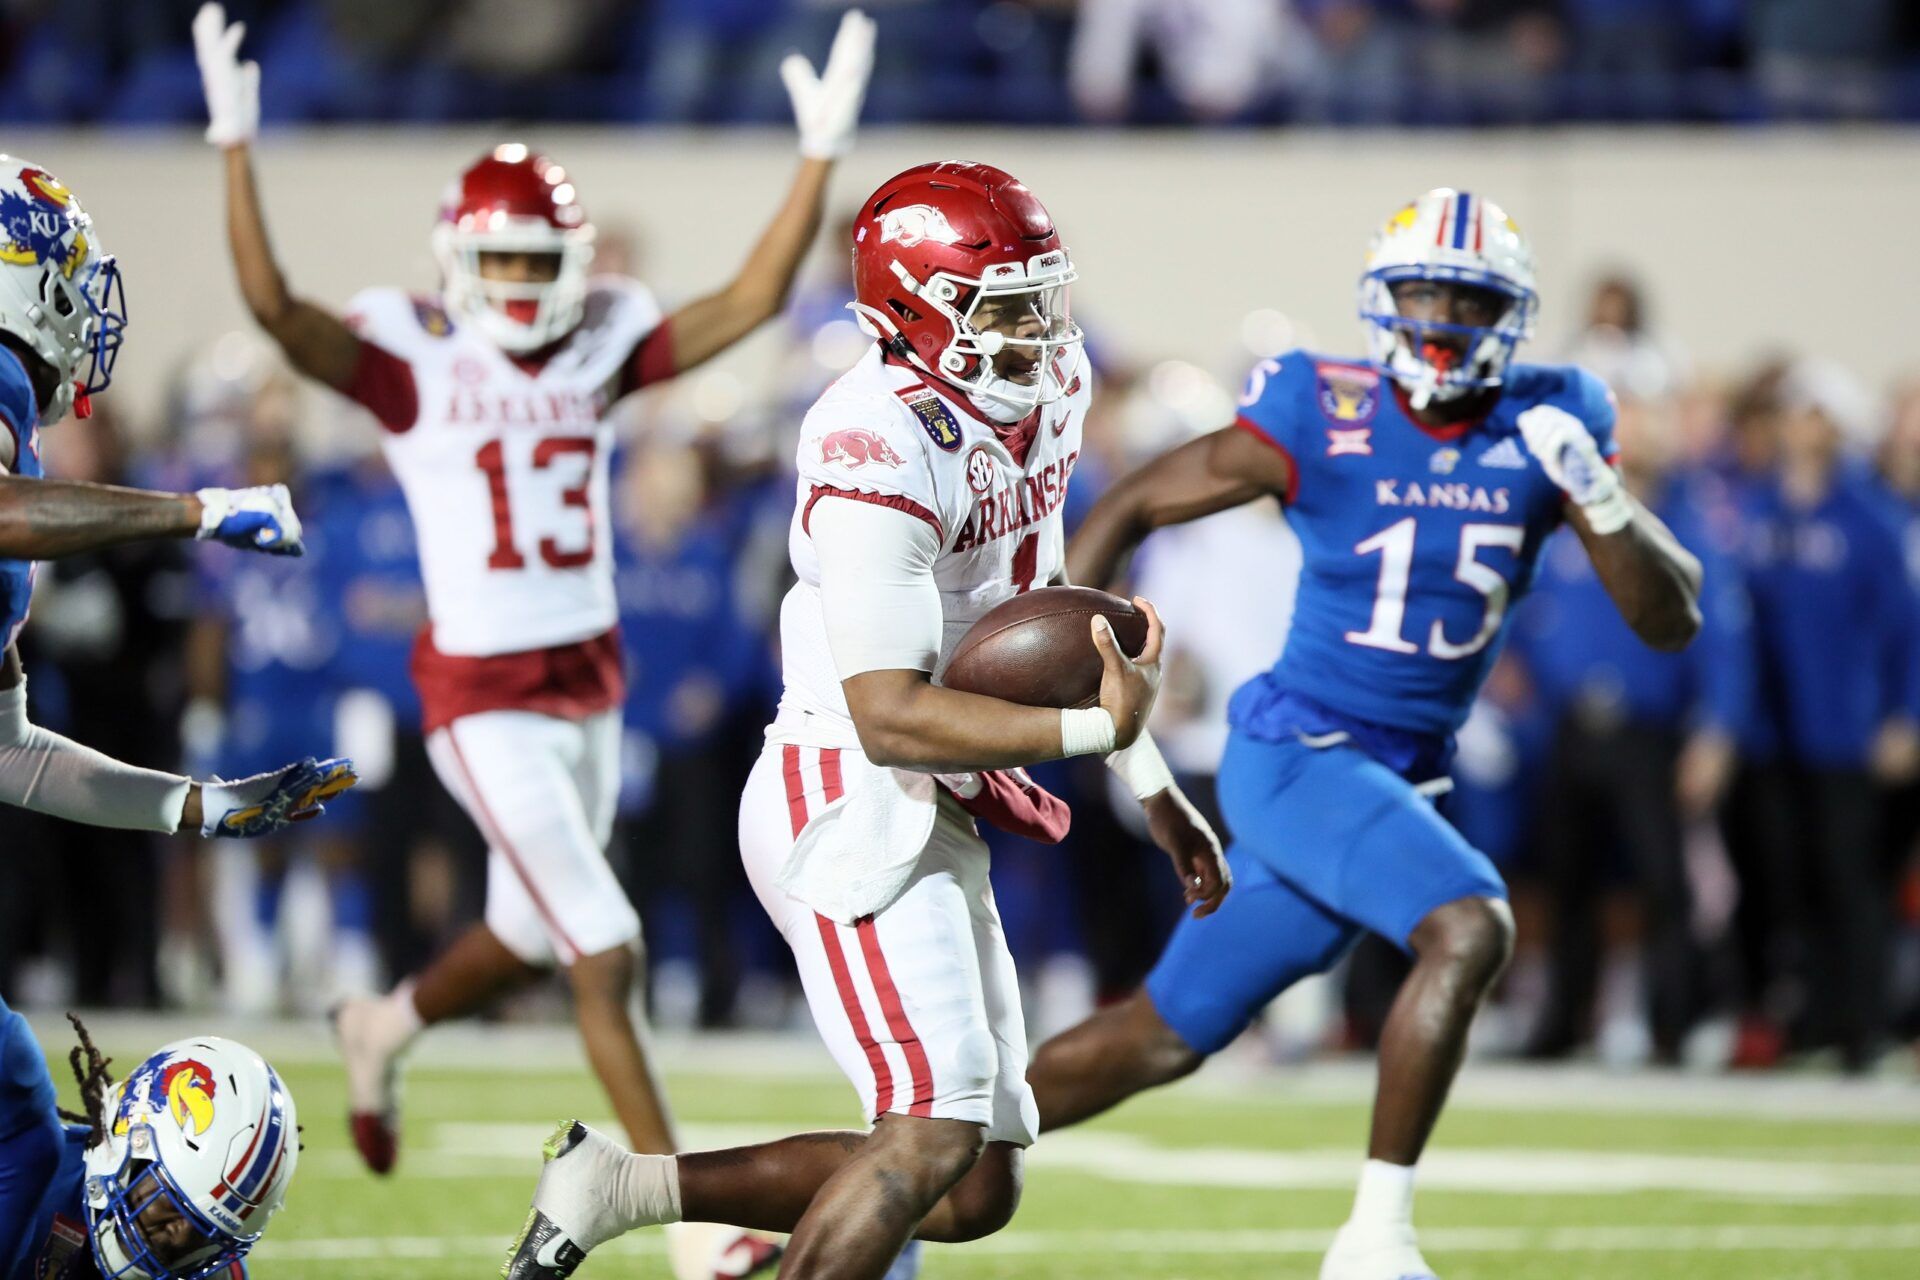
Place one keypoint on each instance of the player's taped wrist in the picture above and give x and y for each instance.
(1611, 513)
(1087, 731)
(1142, 768)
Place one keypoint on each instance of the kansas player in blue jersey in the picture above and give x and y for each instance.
(62, 317)
(1422, 483)
(170, 1174)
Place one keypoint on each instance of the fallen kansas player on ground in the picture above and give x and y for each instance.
(171, 1174)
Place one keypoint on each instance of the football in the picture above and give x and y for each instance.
(1037, 648)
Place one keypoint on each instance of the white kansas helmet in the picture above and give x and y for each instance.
(1453, 237)
(60, 293)
(200, 1145)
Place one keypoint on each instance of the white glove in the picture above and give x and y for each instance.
(232, 86)
(259, 519)
(827, 106)
(270, 802)
(1571, 459)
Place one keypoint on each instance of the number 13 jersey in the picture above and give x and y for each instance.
(505, 466)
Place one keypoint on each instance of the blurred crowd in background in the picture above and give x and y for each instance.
(1416, 62)
(1712, 853)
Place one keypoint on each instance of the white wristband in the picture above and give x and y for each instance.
(1142, 768)
(1609, 514)
(1086, 732)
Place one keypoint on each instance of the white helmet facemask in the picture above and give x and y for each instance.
(1033, 328)
(518, 316)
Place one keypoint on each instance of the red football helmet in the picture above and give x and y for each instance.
(956, 265)
(515, 201)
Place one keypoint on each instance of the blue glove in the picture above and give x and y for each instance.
(270, 802)
(260, 519)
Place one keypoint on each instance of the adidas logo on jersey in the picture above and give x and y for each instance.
(1505, 453)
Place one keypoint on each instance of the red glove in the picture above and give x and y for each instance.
(1013, 802)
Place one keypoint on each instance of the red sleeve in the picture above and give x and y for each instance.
(383, 383)
(652, 360)
(1260, 433)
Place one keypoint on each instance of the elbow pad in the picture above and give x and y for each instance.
(56, 776)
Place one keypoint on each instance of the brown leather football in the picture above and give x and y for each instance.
(1037, 648)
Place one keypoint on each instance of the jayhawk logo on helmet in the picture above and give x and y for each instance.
(188, 1087)
(41, 225)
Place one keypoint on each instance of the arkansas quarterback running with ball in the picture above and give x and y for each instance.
(1422, 484)
(493, 395)
(62, 319)
(931, 480)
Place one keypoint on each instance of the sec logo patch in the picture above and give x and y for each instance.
(981, 469)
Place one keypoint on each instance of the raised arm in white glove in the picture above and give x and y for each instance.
(827, 106)
(232, 86)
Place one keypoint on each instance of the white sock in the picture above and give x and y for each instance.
(643, 1190)
(1385, 1197)
(396, 1018)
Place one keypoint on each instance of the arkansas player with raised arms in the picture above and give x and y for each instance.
(493, 396)
(931, 481)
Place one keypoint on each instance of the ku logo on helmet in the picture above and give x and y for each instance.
(912, 224)
(40, 226)
(856, 448)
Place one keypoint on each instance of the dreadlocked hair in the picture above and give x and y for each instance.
(95, 1084)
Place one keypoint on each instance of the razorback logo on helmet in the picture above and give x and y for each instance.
(189, 1088)
(855, 448)
(34, 228)
(911, 224)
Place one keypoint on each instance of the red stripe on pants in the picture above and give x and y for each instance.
(796, 789)
(830, 773)
(897, 1025)
(843, 979)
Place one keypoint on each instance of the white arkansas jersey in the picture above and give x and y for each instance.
(884, 433)
(505, 468)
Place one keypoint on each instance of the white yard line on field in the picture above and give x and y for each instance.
(1745, 1238)
(1513, 1171)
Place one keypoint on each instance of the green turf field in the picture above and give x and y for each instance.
(1241, 1173)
